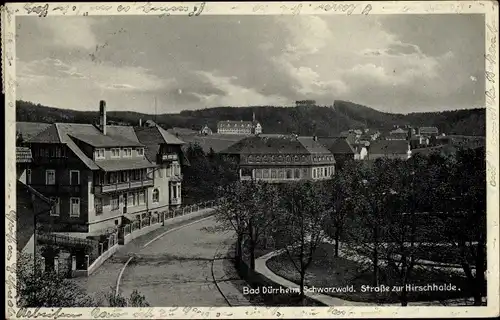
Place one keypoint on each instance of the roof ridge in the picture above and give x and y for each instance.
(57, 131)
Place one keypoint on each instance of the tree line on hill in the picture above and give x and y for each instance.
(304, 120)
(393, 213)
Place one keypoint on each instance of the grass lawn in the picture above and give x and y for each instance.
(329, 271)
(444, 254)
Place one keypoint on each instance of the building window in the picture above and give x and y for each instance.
(28, 176)
(258, 173)
(250, 159)
(142, 197)
(74, 177)
(289, 173)
(280, 158)
(287, 158)
(303, 158)
(50, 177)
(74, 207)
(246, 172)
(156, 196)
(296, 158)
(265, 173)
(273, 158)
(264, 158)
(98, 206)
(115, 203)
(304, 172)
(314, 173)
(281, 174)
(160, 174)
(127, 152)
(99, 154)
(115, 153)
(297, 174)
(326, 173)
(273, 174)
(140, 151)
(130, 199)
(257, 159)
(55, 210)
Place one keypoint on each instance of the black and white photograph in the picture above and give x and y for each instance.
(306, 155)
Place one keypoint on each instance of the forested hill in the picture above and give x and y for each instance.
(329, 120)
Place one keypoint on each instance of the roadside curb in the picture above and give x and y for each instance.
(261, 267)
(224, 280)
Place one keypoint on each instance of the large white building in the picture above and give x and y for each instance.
(239, 127)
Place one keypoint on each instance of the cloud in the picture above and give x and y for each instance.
(90, 74)
(233, 95)
(75, 32)
(384, 61)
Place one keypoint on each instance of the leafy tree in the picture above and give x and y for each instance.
(299, 225)
(46, 289)
(136, 300)
(38, 288)
(206, 173)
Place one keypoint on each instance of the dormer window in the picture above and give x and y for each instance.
(140, 151)
(127, 152)
(115, 153)
(99, 154)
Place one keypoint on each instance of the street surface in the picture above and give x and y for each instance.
(176, 269)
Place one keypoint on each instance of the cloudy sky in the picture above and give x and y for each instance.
(394, 63)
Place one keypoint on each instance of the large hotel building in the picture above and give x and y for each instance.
(282, 158)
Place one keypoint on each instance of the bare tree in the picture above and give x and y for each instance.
(264, 201)
(232, 212)
(463, 218)
(300, 224)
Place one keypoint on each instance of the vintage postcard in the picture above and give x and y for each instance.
(251, 159)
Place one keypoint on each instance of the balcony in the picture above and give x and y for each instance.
(114, 187)
(176, 178)
(167, 157)
(175, 201)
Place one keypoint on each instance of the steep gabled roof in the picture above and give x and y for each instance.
(156, 135)
(69, 133)
(337, 145)
(103, 141)
(389, 147)
(234, 124)
(49, 135)
(30, 129)
(276, 145)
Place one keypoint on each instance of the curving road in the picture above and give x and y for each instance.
(176, 268)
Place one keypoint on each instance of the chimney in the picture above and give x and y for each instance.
(102, 116)
(140, 122)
